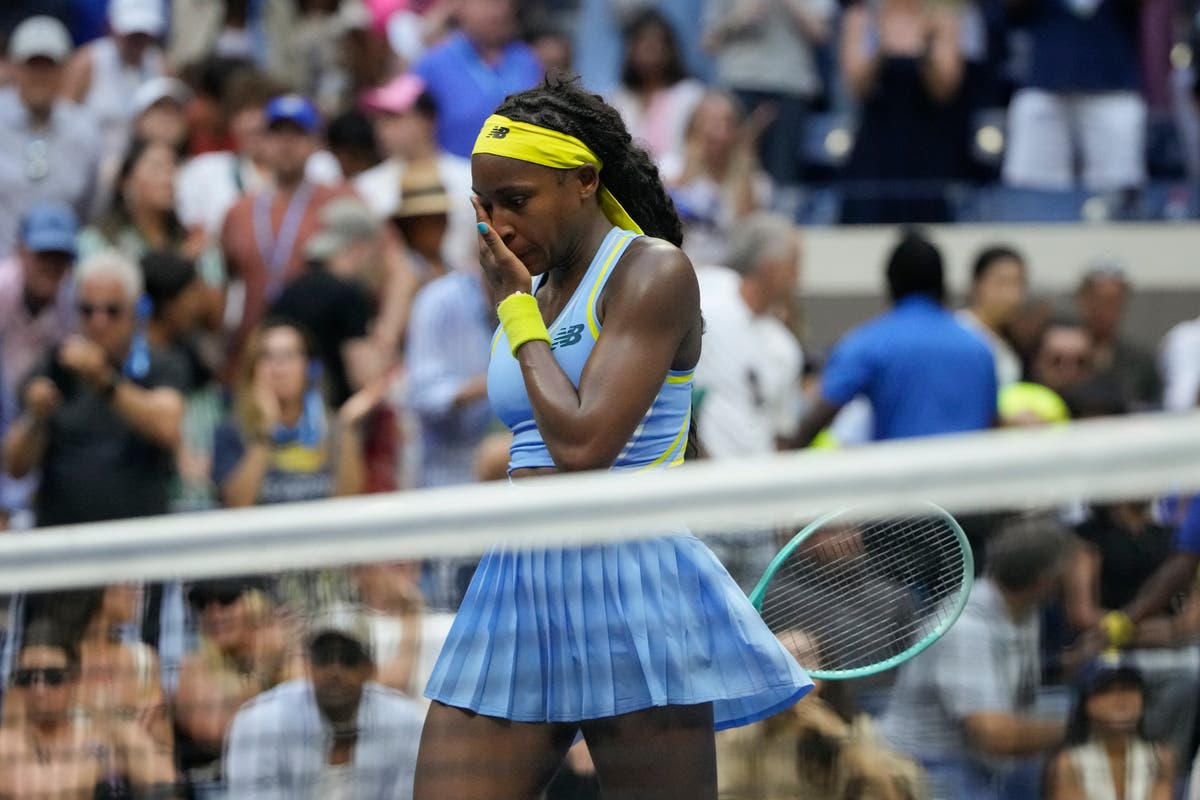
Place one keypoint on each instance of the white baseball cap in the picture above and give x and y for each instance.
(137, 16)
(160, 88)
(40, 36)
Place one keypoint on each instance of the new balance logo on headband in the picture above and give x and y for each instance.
(498, 132)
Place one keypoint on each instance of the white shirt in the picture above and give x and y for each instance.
(387, 632)
(1008, 365)
(278, 745)
(1180, 366)
(379, 187)
(748, 375)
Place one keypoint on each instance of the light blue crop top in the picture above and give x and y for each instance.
(659, 439)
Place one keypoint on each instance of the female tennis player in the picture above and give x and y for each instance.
(647, 646)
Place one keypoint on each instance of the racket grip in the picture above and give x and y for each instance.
(1119, 628)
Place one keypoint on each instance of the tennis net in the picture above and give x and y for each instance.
(188, 623)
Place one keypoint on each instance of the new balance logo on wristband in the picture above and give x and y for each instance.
(567, 337)
(498, 132)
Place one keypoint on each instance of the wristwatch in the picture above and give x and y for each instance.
(110, 387)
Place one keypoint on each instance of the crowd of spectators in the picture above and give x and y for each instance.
(238, 267)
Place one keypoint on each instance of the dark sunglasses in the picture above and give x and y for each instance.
(51, 676)
(204, 599)
(110, 309)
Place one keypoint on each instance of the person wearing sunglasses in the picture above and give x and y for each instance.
(243, 649)
(47, 749)
(101, 414)
(335, 734)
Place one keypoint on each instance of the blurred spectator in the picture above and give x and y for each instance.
(141, 216)
(211, 183)
(49, 750)
(351, 140)
(406, 636)
(1064, 358)
(119, 677)
(264, 234)
(1107, 753)
(406, 120)
(998, 282)
(101, 414)
(284, 444)
(814, 750)
(981, 678)
(35, 314)
(1101, 298)
(1179, 357)
(923, 372)
(48, 145)
(160, 108)
(656, 97)
(717, 179)
(473, 69)
(337, 733)
(554, 51)
(330, 299)
(238, 29)
(175, 329)
(104, 75)
(412, 26)
(243, 650)
(1081, 96)
(1121, 547)
(750, 366)
(903, 62)
(35, 306)
(449, 337)
(765, 54)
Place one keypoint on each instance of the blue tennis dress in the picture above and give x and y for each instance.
(566, 634)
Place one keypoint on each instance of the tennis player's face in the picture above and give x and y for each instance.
(535, 210)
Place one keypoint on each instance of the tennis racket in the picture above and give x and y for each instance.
(852, 594)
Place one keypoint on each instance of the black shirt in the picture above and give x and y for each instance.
(96, 467)
(1127, 559)
(334, 311)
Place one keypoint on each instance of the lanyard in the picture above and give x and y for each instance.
(276, 251)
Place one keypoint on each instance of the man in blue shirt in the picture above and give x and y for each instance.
(923, 372)
(474, 69)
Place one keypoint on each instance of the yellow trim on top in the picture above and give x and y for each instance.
(495, 341)
(684, 378)
(682, 435)
(593, 326)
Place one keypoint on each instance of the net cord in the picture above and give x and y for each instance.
(1100, 460)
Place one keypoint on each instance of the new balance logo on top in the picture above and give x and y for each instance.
(498, 132)
(567, 337)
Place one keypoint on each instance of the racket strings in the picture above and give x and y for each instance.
(866, 592)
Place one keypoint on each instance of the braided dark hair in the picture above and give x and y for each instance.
(561, 104)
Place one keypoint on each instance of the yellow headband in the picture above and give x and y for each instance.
(502, 136)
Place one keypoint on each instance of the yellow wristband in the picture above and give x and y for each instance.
(1119, 628)
(521, 320)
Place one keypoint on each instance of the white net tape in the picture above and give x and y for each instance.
(1111, 459)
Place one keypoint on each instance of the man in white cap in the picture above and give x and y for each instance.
(106, 73)
(337, 734)
(47, 143)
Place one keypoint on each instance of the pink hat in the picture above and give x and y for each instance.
(395, 97)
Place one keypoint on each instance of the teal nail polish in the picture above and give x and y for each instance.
(482, 227)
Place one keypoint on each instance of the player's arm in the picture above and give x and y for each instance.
(817, 419)
(648, 308)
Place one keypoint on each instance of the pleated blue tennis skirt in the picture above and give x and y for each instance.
(576, 633)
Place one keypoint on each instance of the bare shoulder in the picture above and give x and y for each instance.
(653, 268)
